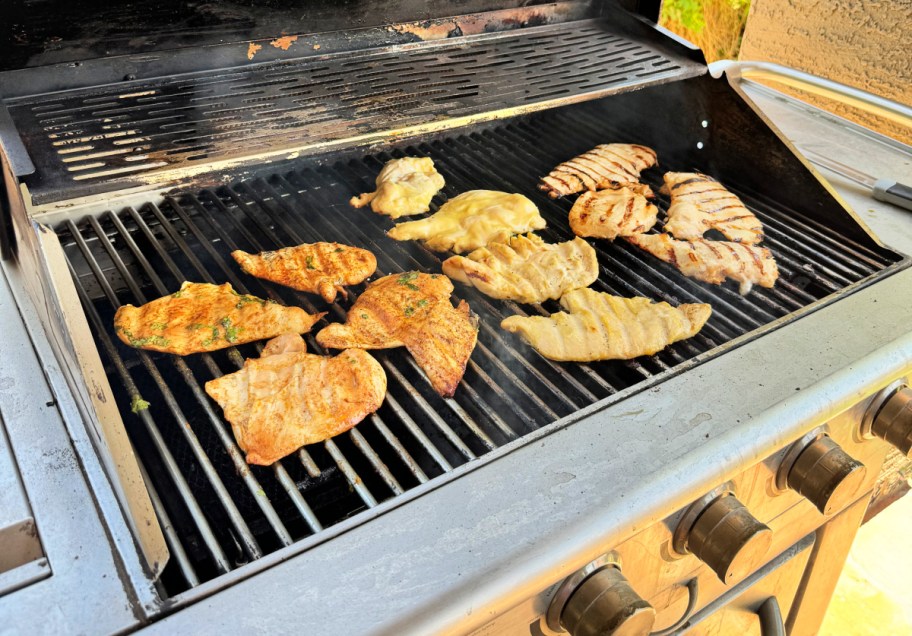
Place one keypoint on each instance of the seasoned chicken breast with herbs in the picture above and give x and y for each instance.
(605, 166)
(318, 268)
(203, 317)
(525, 268)
(411, 310)
(713, 261)
(404, 186)
(611, 213)
(472, 220)
(700, 203)
(599, 326)
(289, 398)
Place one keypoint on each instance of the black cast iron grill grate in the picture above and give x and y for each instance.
(87, 138)
(217, 512)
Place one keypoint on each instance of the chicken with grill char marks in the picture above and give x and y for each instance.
(713, 261)
(203, 317)
(605, 166)
(700, 203)
(611, 213)
(288, 398)
(318, 268)
(411, 310)
(525, 268)
(599, 326)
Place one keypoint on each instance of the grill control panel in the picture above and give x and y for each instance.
(673, 569)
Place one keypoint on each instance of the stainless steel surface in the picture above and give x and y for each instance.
(886, 190)
(858, 98)
(605, 604)
(826, 475)
(893, 422)
(729, 539)
(20, 544)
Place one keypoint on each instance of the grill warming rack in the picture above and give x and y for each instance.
(219, 514)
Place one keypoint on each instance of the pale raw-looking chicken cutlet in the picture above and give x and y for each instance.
(605, 166)
(700, 203)
(713, 261)
(318, 268)
(600, 326)
(608, 214)
(411, 310)
(204, 317)
(404, 186)
(288, 398)
(472, 220)
(525, 268)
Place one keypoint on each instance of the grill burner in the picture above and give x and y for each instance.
(227, 513)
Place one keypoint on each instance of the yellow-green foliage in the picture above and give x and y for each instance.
(713, 25)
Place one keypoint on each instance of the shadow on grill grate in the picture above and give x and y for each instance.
(217, 512)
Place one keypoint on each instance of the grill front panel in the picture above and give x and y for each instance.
(217, 512)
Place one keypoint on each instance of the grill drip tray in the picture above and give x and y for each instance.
(220, 513)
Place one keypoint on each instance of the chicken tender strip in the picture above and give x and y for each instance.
(412, 310)
(203, 317)
(600, 326)
(472, 220)
(526, 269)
(713, 261)
(317, 268)
(611, 213)
(404, 186)
(700, 203)
(605, 166)
(289, 398)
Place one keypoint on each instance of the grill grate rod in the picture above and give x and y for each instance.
(482, 301)
(225, 438)
(310, 466)
(505, 429)
(197, 516)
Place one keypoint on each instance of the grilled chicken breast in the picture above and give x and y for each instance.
(289, 398)
(605, 166)
(611, 213)
(404, 186)
(700, 203)
(203, 317)
(713, 261)
(525, 268)
(319, 268)
(471, 220)
(411, 310)
(600, 326)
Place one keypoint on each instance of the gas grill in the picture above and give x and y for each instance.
(130, 172)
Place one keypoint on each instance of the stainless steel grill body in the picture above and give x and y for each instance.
(434, 506)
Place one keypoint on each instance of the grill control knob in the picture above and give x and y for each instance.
(725, 536)
(893, 422)
(605, 604)
(826, 475)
